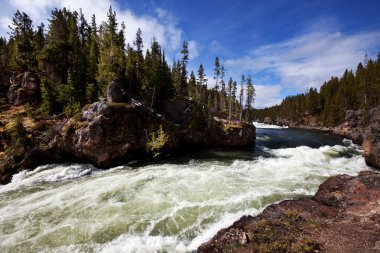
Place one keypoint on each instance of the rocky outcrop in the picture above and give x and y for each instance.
(363, 127)
(371, 139)
(343, 216)
(107, 134)
(24, 88)
(117, 93)
(267, 120)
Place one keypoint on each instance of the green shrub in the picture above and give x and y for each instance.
(157, 141)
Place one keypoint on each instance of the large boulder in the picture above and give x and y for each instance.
(117, 93)
(24, 89)
(363, 127)
(177, 110)
(268, 120)
(106, 133)
(371, 138)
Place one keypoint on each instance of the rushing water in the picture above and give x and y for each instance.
(171, 206)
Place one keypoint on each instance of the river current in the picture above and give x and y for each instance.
(170, 206)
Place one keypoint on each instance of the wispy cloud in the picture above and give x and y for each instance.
(216, 47)
(162, 25)
(267, 95)
(194, 49)
(307, 60)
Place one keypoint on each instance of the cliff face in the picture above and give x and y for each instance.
(363, 127)
(107, 134)
(343, 216)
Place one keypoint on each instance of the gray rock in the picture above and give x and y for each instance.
(117, 93)
(268, 120)
(24, 90)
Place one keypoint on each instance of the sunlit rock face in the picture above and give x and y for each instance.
(363, 127)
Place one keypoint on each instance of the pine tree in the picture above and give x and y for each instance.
(230, 98)
(192, 85)
(241, 96)
(362, 80)
(216, 77)
(202, 86)
(176, 76)
(62, 50)
(185, 59)
(39, 41)
(22, 56)
(234, 93)
(67, 95)
(4, 54)
(48, 95)
(250, 98)
(92, 90)
(111, 66)
(223, 94)
(139, 58)
(131, 71)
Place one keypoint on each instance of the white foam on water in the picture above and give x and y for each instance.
(143, 244)
(263, 125)
(156, 208)
(48, 173)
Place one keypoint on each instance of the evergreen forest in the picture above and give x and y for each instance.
(352, 91)
(77, 59)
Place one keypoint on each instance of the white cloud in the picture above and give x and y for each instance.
(194, 49)
(216, 47)
(267, 96)
(163, 26)
(306, 60)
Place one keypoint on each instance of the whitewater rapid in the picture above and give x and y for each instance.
(166, 207)
(268, 126)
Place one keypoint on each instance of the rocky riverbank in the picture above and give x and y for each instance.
(361, 126)
(108, 133)
(343, 216)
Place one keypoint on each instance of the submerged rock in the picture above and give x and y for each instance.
(343, 216)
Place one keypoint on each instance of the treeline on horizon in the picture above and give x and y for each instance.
(77, 60)
(352, 91)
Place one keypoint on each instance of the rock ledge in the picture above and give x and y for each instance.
(343, 216)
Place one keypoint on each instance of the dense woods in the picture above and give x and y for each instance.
(352, 91)
(76, 60)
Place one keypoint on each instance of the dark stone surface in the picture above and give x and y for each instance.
(343, 216)
(117, 93)
(108, 134)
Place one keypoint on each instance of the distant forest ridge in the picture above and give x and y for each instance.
(76, 61)
(352, 91)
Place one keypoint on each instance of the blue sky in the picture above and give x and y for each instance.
(285, 45)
